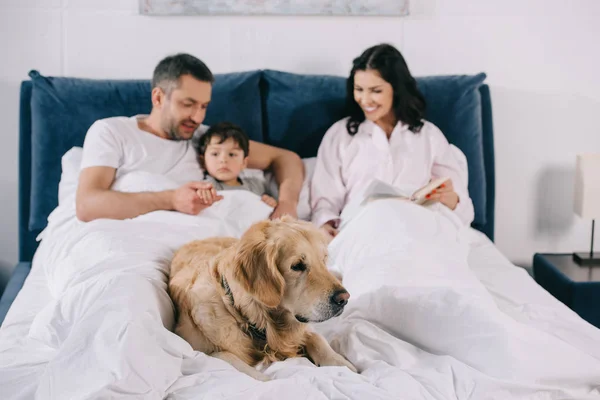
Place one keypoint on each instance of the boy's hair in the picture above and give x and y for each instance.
(223, 131)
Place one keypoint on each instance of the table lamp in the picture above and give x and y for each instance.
(587, 200)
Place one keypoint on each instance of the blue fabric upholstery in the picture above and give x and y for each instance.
(489, 162)
(47, 129)
(27, 243)
(454, 106)
(581, 297)
(15, 283)
(300, 108)
(65, 108)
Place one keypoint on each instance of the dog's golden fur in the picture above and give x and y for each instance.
(223, 288)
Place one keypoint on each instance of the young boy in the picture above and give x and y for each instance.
(223, 154)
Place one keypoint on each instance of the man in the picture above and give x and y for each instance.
(160, 143)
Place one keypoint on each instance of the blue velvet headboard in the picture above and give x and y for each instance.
(287, 110)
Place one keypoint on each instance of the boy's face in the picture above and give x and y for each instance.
(224, 161)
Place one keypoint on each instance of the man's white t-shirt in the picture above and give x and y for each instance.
(119, 143)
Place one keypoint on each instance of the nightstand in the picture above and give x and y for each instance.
(578, 287)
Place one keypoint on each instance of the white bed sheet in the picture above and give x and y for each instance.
(511, 288)
(518, 295)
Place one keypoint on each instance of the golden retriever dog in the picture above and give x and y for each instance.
(249, 301)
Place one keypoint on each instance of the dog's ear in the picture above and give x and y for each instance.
(256, 267)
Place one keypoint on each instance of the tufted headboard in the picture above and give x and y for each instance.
(289, 110)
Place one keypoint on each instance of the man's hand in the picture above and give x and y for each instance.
(285, 208)
(289, 174)
(269, 200)
(194, 197)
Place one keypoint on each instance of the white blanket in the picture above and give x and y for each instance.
(419, 324)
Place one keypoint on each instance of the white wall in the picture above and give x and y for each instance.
(541, 57)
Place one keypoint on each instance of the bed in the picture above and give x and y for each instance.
(81, 324)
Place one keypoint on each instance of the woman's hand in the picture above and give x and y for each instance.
(445, 194)
(329, 230)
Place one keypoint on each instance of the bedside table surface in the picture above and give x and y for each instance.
(565, 264)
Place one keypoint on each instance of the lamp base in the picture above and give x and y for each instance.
(587, 260)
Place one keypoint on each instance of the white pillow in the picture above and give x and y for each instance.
(71, 163)
(69, 179)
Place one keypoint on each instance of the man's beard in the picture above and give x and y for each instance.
(174, 135)
(173, 132)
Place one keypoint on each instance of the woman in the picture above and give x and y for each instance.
(385, 137)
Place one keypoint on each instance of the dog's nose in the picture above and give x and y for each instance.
(340, 298)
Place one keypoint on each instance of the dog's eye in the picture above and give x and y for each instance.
(300, 266)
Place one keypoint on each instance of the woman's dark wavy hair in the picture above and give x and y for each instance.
(408, 103)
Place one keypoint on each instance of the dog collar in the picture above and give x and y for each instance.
(225, 286)
(253, 331)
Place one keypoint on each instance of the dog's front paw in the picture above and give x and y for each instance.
(337, 360)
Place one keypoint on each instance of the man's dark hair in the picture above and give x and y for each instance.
(223, 131)
(170, 69)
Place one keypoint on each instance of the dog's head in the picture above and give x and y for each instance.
(282, 263)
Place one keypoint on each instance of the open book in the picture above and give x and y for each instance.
(381, 190)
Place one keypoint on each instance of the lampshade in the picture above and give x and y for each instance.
(587, 186)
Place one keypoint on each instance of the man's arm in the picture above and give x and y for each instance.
(96, 200)
(288, 170)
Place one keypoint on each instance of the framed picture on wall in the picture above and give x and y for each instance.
(275, 7)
